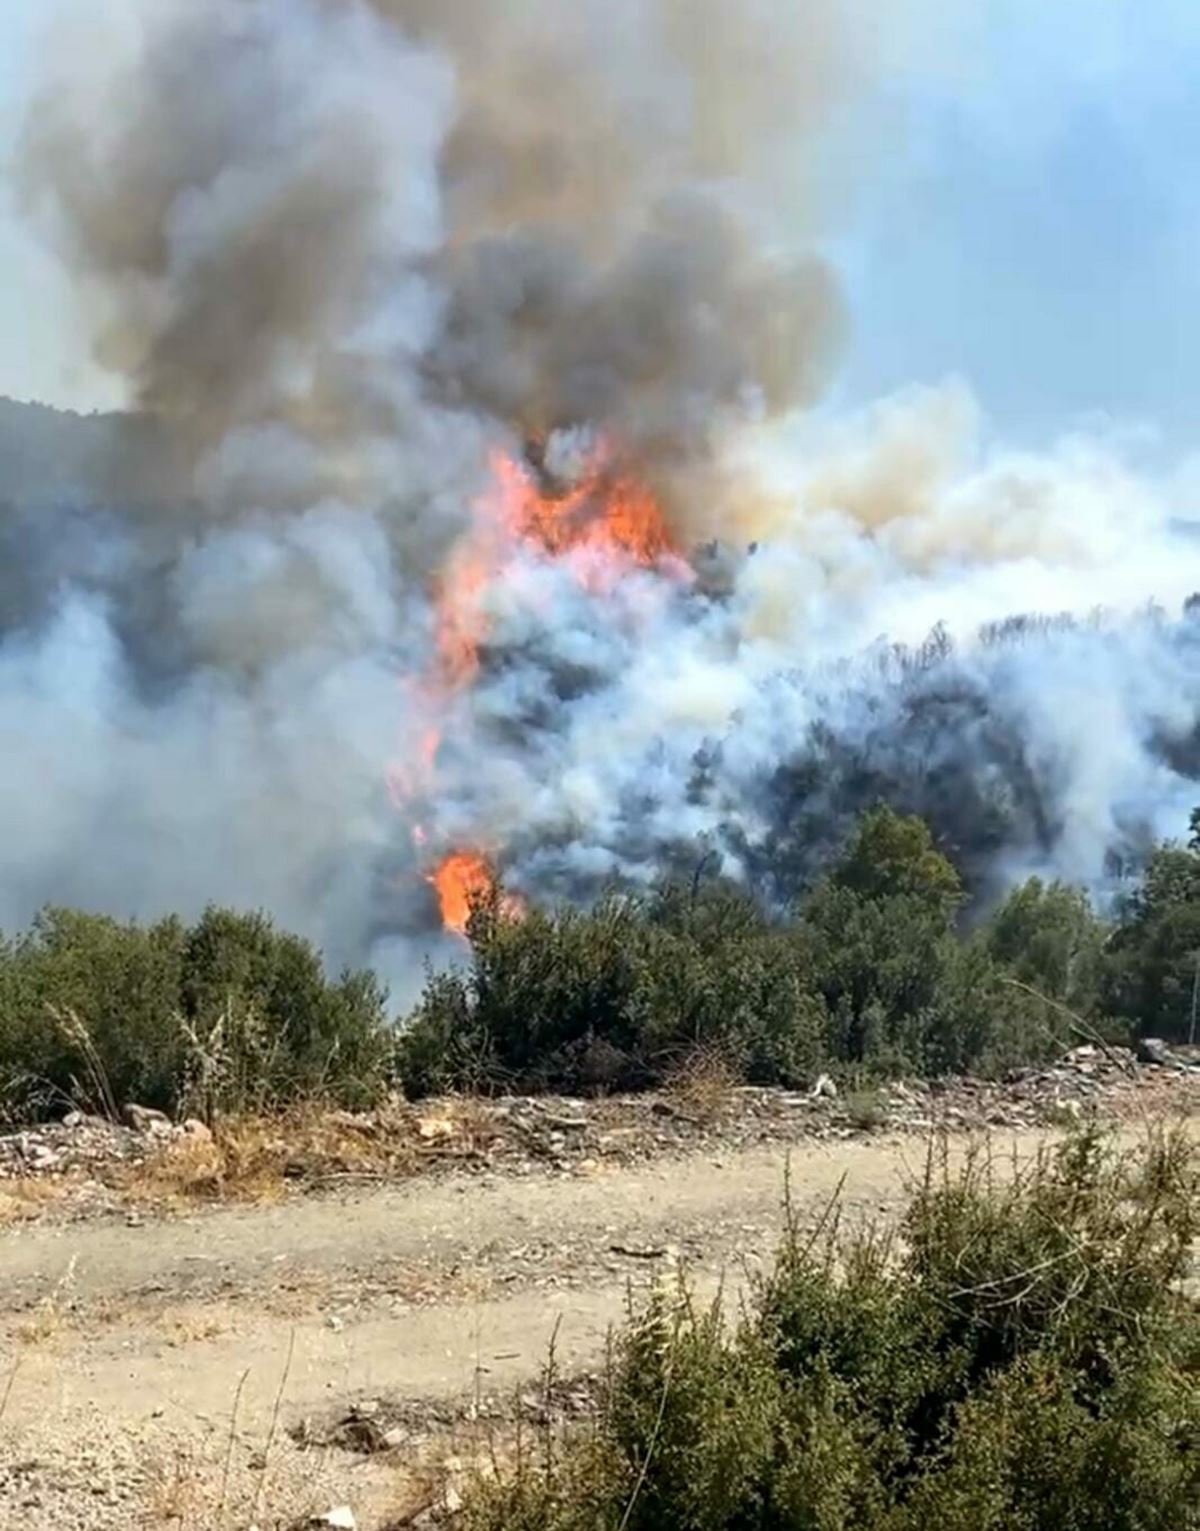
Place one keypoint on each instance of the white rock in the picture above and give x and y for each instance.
(341, 1519)
(146, 1119)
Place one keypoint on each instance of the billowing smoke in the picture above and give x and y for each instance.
(467, 499)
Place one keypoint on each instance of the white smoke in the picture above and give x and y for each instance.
(340, 250)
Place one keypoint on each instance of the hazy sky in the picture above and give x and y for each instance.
(1032, 224)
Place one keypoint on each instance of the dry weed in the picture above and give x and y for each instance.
(50, 1314)
(704, 1085)
(256, 1159)
(174, 1493)
(191, 1326)
(27, 1198)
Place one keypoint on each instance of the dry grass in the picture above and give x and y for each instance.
(257, 1159)
(704, 1085)
(193, 1325)
(174, 1494)
(51, 1314)
(25, 1199)
(262, 1158)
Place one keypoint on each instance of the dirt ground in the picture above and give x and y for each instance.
(156, 1371)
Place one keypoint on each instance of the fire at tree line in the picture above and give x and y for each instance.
(882, 967)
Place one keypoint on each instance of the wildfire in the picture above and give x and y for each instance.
(462, 879)
(600, 527)
(606, 515)
(604, 510)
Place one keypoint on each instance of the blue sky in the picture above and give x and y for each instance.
(1034, 227)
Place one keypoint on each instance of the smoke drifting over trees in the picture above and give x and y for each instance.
(343, 253)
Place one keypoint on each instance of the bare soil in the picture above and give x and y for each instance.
(158, 1370)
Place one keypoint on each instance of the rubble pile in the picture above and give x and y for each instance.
(82, 1142)
(525, 1134)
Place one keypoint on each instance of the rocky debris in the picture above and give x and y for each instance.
(340, 1518)
(373, 1426)
(451, 1442)
(518, 1135)
(145, 1119)
(86, 1156)
(1155, 1051)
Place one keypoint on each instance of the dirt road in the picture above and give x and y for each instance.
(128, 1345)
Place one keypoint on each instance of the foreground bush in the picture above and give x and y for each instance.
(226, 1014)
(1021, 1358)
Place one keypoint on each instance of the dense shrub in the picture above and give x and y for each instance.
(615, 997)
(226, 1014)
(870, 973)
(1048, 936)
(876, 971)
(1022, 1358)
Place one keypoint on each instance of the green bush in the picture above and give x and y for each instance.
(227, 1014)
(615, 997)
(1023, 1357)
(871, 973)
(1048, 936)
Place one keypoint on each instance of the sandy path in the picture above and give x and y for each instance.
(130, 1341)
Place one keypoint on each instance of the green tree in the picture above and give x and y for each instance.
(1152, 960)
(877, 936)
(893, 854)
(1048, 936)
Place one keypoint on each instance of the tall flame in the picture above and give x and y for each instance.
(601, 527)
(603, 510)
(605, 513)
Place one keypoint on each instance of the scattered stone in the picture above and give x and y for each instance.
(90, 1159)
(340, 1518)
(146, 1119)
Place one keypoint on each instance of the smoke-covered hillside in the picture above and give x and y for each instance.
(476, 511)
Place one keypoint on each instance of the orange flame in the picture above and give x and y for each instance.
(461, 880)
(600, 528)
(461, 625)
(606, 513)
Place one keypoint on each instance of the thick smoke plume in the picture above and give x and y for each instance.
(299, 625)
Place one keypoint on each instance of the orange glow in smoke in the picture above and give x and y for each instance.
(611, 519)
(600, 527)
(604, 511)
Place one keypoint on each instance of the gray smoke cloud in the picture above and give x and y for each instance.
(343, 251)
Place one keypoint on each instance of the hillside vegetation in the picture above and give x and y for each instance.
(875, 971)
